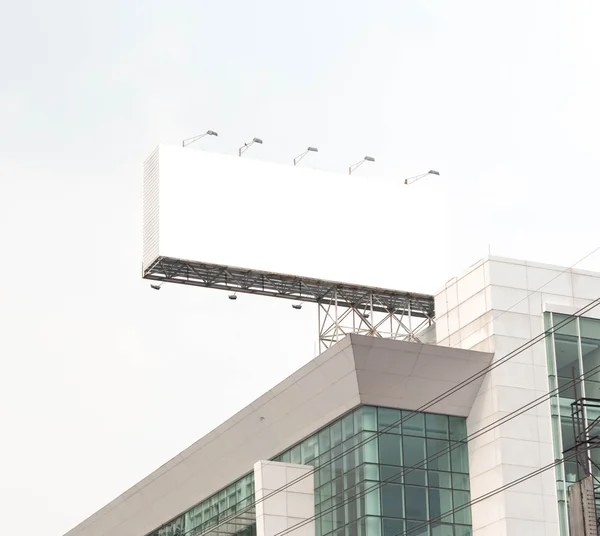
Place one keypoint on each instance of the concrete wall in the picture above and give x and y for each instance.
(497, 306)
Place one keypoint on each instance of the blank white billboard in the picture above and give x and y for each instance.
(224, 209)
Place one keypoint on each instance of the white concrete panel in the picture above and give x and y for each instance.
(585, 286)
(512, 325)
(507, 274)
(471, 284)
(526, 506)
(550, 281)
(509, 299)
(472, 308)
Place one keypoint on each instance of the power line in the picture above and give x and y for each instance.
(490, 494)
(439, 398)
(395, 478)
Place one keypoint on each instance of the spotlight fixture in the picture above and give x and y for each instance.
(196, 138)
(247, 146)
(360, 163)
(297, 306)
(156, 287)
(233, 296)
(411, 180)
(301, 156)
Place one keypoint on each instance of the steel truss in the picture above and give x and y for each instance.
(342, 308)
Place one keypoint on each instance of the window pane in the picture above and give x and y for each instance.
(564, 325)
(370, 447)
(392, 500)
(441, 457)
(567, 361)
(369, 418)
(324, 440)
(438, 479)
(413, 423)
(295, 455)
(461, 530)
(347, 427)
(285, 457)
(389, 420)
(462, 516)
(415, 477)
(391, 473)
(336, 433)
(458, 428)
(390, 449)
(460, 460)
(310, 448)
(460, 481)
(371, 471)
(392, 527)
(373, 498)
(414, 451)
(416, 528)
(436, 426)
(440, 502)
(590, 351)
(416, 502)
(373, 526)
(590, 327)
(442, 530)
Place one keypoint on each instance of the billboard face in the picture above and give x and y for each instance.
(223, 209)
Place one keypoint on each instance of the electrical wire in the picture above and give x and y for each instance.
(490, 494)
(421, 409)
(397, 477)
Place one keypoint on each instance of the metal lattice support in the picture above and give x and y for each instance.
(342, 308)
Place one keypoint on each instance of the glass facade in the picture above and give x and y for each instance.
(404, 503)
(572, 350)
(213, 510)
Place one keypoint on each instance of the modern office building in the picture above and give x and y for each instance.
(439, 415)
(337, 449)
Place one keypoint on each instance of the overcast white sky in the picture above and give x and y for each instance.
(103, 380)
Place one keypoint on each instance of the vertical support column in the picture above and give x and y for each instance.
(289, 507)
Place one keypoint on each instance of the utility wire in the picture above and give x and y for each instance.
(421, 409)
(490, 494)
(397, 477)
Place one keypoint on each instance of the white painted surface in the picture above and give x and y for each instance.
(200, 191)
(291, 507)
(516, 293)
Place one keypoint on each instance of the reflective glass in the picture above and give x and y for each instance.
(436, 426)
(442, 530)
(390, 449)
(414, 451)
(416, 502)
(389, 420)
(415, 477)
(438, 455)
(392, 500)
(458, 428)
(438, 479)
(392, 527)
(413, 423)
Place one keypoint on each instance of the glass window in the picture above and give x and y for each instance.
(417, 528)
(413, 423)
(347, 427)
(373, 498)
(415, 477)
(296, 455)
(462, 530)
(438, 479)
(324, 440)
(460, 458)
(369, 418)
(310, 448)
(458, 428)
(373, 526)
(389, 420)
(370, 448)
(462, 516)
(460, 481)
(371, 471)
(392, 500)
(391, 473)
(392, 527)
(440, 502)
(336, 433)
(436, 426)
(438, 454)
(442, 530)
(414, 451)
(416, 502)
(390, 450)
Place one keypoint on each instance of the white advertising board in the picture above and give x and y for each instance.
(223, 209)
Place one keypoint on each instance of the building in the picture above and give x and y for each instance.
(349, 414)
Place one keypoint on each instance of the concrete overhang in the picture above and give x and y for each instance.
(359, 370)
